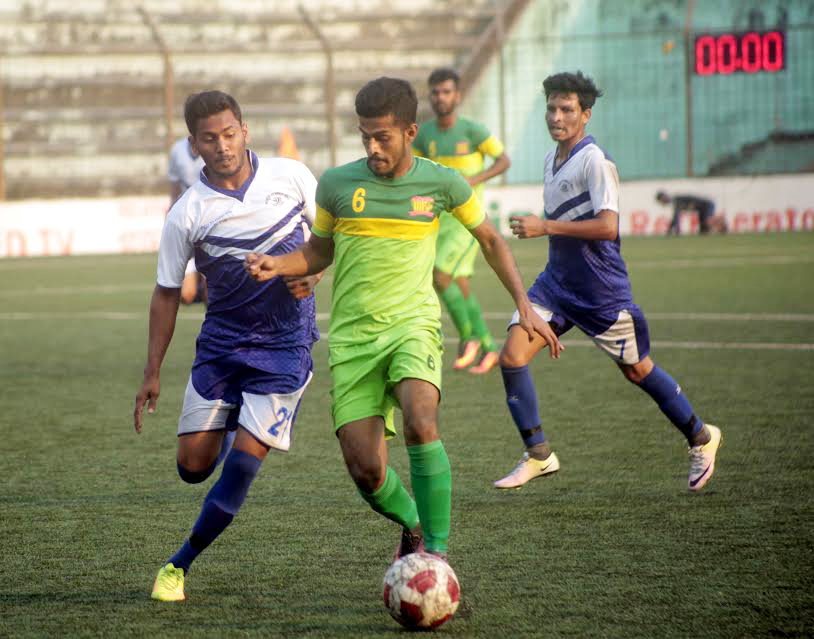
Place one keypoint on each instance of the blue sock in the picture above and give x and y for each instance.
(220, 506)
(666, 392)
(522, 400)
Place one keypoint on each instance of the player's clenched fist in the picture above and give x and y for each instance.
(261, 267)
(526, 226)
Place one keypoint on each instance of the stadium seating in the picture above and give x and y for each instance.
(84, 82)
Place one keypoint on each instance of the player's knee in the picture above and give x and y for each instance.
(635, 373)
(632, 374)
(511, 359)
(194, 476)
(441, 280)
(420, 429)
(367, 474)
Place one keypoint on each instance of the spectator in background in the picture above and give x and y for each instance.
(184, 170)
(703, 207)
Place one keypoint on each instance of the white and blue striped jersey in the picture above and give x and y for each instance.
(270, 214)
(184, 168)
(582, 276)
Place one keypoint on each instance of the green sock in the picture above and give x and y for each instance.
(455, 302)
(432, 486)
(478, 324)
(393, 501)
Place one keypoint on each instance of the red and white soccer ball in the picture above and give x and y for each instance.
(421, 591)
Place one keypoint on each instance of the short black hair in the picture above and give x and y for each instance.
(442, 75)
(582, 85)
(383, 96)
(206, 103)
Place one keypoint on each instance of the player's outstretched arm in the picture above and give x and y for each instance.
(315, 255)
(163, 312)
(500, 258)
(604, 226)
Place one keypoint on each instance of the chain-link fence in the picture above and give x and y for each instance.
(676, 103)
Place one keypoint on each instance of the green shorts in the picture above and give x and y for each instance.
(364, 376)
(455, 249)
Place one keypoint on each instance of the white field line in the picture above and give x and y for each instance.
(23, 264)
(198, 317)
(103, 289)
(322, 317)
(735, 346)
(703, 317)
(692, 262)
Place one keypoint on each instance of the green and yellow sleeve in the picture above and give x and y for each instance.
(324, 221)
(323, 224)
(464, 203)
(491, 146)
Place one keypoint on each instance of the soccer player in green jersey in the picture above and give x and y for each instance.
(377, 221)
(461, 144)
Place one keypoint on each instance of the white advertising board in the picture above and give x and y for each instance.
(133, 224)
(81, 227)
(749, 204)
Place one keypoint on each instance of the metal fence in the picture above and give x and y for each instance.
(676, 102)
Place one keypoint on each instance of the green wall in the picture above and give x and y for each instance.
(635, 51)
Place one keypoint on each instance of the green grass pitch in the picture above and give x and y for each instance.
(611, 546)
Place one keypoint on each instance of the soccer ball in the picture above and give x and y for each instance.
(421, 591)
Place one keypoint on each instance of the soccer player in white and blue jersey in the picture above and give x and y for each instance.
(253, 354)
(585, 284)
(183, 171)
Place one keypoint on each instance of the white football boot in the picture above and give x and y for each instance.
(527, 469)
(702, 460)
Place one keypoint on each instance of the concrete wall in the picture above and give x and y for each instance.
(84, 101)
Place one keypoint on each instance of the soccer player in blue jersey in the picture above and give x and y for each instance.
(183, 170)
(585, 284)
(253, 355)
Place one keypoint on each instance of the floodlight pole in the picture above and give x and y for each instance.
(501, 73)
(2, 148)
(330, 83)
(168, 75)
(688, 55)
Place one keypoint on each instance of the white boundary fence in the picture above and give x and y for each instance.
(133, 224)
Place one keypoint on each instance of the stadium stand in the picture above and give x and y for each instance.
(84, 82)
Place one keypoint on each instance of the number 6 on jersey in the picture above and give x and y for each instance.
(358, 201)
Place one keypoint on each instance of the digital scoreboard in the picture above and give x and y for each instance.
(741, 52)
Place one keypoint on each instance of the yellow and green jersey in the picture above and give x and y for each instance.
(384, 233)
(461, 147)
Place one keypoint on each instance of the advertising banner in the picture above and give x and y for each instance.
(133, 224)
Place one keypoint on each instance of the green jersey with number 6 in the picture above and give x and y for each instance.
(384, 232)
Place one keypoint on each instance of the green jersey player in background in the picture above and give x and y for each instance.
(462, 145)
(377, 221)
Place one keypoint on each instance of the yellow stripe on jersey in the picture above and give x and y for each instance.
(418, 153)
(470, 213)
(323, 223)
(383, 227)
(466, 165)
(491, 146)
